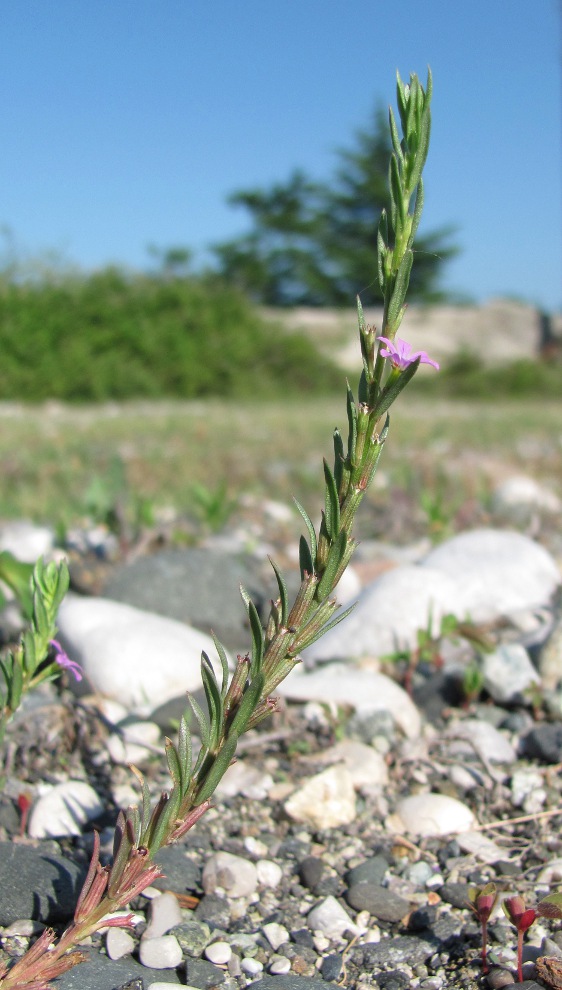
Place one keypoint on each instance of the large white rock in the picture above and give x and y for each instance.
(64, 809)
(138, 658)
(498, 572)
(26, 541)
(326, 800)
(389, 613)
(434, 814)
(364, 690)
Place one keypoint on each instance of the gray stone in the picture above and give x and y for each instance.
(288, 982)
(394, 951)
(101, 973)
(182, 873)
(198, 587)
(509, 674)
(203, 974)
(380, 902)
(371, 871)
(37, 883)
(193, 936)
(550, 659)
(237, 876)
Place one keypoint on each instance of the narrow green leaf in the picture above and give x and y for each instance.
(185, 749)
(283, 593)
(397, 194)
(335, 556)
(252, 696)
(400, 288)
(204, 728)
(339, 459)
(395, 137)
(221, 652)
(332, 503)
(352, 426)
(309, 526)
(258, 638)
(329, 625)
(219, 768)
(173, 761)
(15, 687)
(417, 211)
(306, 562)
(213, 696)
(166, 819)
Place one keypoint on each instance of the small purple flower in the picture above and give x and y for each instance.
(64, 660)
(400, 354)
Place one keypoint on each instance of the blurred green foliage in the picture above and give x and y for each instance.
(466, 377)
(110, 335)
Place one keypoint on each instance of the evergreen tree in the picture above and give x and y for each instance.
(314, 244)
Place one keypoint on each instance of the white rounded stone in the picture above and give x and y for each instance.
(326, 800)
(364, 690)
(275, 934)
(26, 541)
(160, 953)
(164, 913)
(279, 965)
(63, 810)
(270, 874)
(237, 876)
(218, 953)
(498, 572)
(389, 613)
(119, 943)
(366, 766)
(134, 744)
(434, 814)
(330, 918)
(251, 966)
(139, 658)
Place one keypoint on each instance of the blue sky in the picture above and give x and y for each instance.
(128, 122)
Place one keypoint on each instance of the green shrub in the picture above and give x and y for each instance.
(465, 377)
(111, 336)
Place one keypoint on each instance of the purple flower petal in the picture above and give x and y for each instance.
(64, 660)
(400, 353)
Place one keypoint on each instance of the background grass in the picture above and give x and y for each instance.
(52, 457)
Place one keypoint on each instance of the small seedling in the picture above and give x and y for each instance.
(482, 900)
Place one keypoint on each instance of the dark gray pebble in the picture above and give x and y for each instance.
(372, 870)
(382, 903)
(424, 917)
(544, 743)
(214, 910)
(332, 966)
(182, 874)
(455, 894)
(302, 936)
(394, 951)
(194, 585)
(101, 973)
(203, 974)
(395, 980)
(37, 883)
(289, 982)
(311, 870)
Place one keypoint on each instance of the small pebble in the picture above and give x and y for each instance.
(164, 914)
(161, 953)
(251, 966)
(119, 943)
(218, 953)
(279, 965)
(270, 874)
(499, 977)
(275, 934)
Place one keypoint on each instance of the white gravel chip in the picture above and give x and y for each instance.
(161, 953)
(434, 814)
(237, 876)
(218, 953)
(119, 943)
(64, 809)
(164, 913)
(330, 918)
